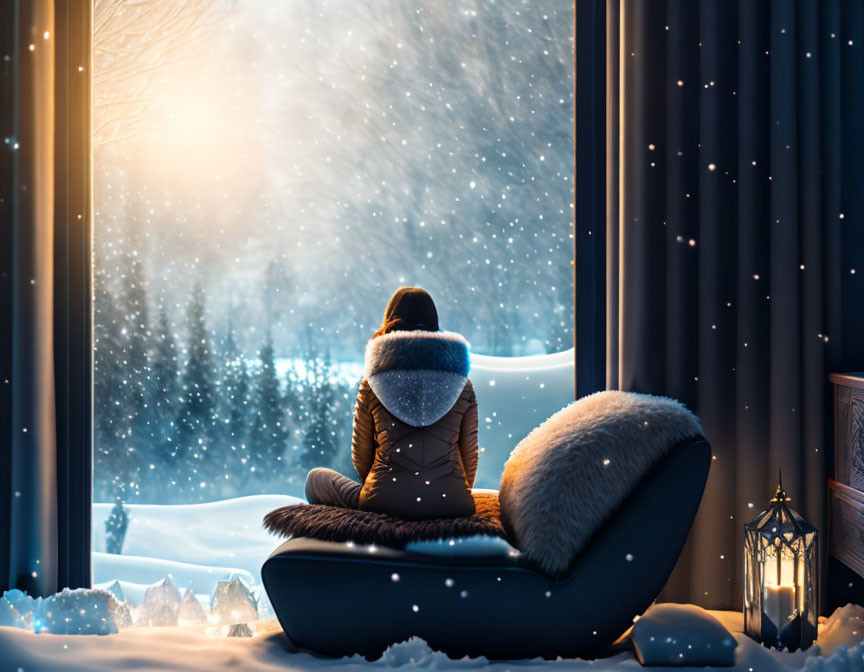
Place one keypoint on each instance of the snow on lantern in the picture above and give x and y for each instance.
(780, 577)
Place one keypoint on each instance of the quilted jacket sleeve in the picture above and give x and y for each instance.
(362, 437)
(468, 435)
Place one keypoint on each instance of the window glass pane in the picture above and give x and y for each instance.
(266, 175)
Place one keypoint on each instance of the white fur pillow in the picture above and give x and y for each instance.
(566, 477)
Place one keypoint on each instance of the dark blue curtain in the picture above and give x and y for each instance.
(45, 391)
(734, 242)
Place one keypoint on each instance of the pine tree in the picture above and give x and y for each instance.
(235, 399)
(268, 435)
(111, 458)
(165, 391)
(294, 391)
(319, 447)
(197, 412)
(115, 528)
(342, 419)
(137, 379)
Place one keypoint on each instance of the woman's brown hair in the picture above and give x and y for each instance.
(409, 309)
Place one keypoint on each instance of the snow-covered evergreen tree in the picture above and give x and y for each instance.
(267, 432)
(165, 384)
(115, 528)
(320, 445)
(235, 414)
(137, 381)
(111, 459)
(197, 410)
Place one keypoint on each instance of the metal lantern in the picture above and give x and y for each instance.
(780, 577)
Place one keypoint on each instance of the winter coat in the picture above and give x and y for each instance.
(415, 426)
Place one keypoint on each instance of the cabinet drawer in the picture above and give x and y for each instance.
(846, 528)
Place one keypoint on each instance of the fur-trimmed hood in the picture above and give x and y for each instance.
(417, 375)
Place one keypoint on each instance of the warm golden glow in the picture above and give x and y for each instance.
(198, 132)
(784, 593)
(782, 575)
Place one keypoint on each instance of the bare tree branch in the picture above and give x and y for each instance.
(133, 39)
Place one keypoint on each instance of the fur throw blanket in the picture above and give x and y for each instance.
(331, 523)
(569, 475)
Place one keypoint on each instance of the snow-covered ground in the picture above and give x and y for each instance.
(194, 648)
(197, 544)
(514, 395)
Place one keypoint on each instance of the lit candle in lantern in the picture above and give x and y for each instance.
(779, 603)
(780, 596)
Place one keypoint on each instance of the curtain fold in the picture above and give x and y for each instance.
(32, 554)
(738, 231)
(45, 474)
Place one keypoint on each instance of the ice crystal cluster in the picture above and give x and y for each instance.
(107, 611)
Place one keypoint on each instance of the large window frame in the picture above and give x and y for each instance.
(74, 257)
(73, 267)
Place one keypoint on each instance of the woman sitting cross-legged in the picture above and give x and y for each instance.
(414, 443)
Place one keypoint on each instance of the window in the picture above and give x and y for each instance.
(265, 177)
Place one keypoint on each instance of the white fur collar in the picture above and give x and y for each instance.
(417, 375)
(420, 349)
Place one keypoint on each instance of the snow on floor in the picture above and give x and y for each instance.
(198, 648)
